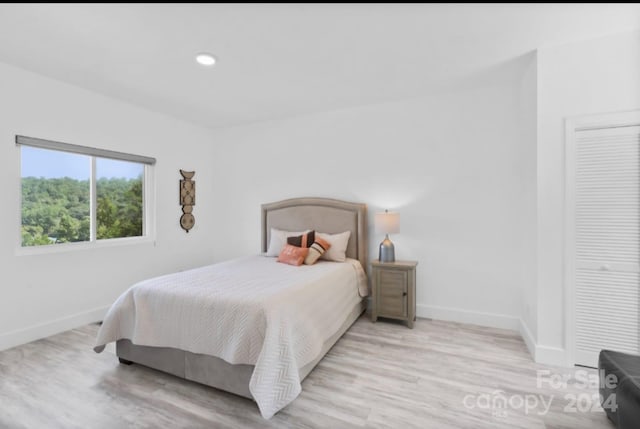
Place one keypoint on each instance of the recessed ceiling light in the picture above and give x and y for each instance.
(206, 59)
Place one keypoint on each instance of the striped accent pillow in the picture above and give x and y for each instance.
(304, 240)
(316, 250)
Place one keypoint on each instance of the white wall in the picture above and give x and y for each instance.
(477, 174)
(528, 128)
(455, 165)
(589, 77)
(44, 294)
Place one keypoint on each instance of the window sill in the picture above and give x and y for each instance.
(83, 246)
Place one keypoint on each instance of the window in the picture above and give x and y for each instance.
(78, 194)
(120, 204)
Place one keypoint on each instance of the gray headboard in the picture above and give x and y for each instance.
(321, 214)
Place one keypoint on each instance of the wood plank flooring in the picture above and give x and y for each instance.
(383, 375)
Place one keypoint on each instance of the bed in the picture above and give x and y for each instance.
(264, 326)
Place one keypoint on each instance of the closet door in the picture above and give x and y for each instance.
(607, 242)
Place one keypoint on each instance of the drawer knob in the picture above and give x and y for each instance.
(404, 294)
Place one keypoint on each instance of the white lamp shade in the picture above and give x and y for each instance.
(387, 223)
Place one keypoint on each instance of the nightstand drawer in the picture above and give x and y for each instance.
(389, 278)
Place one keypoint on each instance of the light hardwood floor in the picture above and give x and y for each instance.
(380, 375)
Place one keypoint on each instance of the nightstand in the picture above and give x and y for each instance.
(394, 291)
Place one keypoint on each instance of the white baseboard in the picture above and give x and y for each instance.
(492, 320)
(539, 353)
(551, 355)
(528, 339)
(43, 330)
(542, 354)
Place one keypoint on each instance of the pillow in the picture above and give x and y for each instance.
(293, 255)
(338, 249)
(278, 239)
(316, 250)
(304, 240)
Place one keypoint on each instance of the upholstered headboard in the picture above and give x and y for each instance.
(321, 214)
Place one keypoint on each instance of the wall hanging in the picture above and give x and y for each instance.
(187, 199)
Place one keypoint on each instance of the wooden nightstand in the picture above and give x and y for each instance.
(394, 291)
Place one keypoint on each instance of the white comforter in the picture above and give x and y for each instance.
(250, 310)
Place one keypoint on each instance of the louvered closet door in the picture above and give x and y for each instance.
(607, 209)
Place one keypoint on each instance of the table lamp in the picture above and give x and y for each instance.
(387, 223)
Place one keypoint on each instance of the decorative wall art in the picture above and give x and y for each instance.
(187, 199)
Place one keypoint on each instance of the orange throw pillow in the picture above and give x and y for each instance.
(293, 255)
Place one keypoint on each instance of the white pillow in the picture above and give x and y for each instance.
(338, 250)
(278, 240)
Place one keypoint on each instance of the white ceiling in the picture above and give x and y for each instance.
(283, 60)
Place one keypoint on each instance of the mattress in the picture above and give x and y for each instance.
(249, 310)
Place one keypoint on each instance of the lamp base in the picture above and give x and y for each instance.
(387, 251)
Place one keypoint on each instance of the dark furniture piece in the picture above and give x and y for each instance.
(620, 388)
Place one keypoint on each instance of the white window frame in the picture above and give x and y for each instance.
(148, 199)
